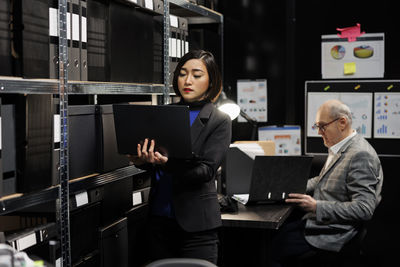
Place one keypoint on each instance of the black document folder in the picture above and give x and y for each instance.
(97, 22)
(168, 125)
(83, 40)
(53, 39)
(74, 71)
(5, 39)
(274, 177)
(30, 42)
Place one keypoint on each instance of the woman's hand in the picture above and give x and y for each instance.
(147, 155)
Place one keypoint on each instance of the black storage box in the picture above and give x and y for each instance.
(137, 244)
(92, 141)
(110, 159)
(37, 160)
(83, 155)
(115, 207)
(84, 225)
(114, 244)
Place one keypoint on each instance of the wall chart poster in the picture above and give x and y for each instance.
(360, 105)
(252, 99)
(387, 115)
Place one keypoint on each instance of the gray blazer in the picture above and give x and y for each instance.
(347, 193)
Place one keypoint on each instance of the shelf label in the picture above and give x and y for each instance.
(136, 198)
(173, 21)
(148, 4)
(26, 242)
(81, 199)
(57, 128)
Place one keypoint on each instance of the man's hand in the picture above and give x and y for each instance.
(306, 202)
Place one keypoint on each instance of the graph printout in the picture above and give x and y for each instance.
(387, 115)
(360, 105)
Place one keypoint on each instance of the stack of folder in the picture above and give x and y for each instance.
(31, 139)
(178, 41)
(76, 39)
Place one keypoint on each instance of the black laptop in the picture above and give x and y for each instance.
(274, 177)
(168, 125)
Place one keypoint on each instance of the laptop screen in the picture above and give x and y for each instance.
(168, 125)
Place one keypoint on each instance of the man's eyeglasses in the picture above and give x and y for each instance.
(323, 126)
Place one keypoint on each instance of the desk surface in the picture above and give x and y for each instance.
(266, 216)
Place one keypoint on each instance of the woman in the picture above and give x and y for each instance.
(184, 210)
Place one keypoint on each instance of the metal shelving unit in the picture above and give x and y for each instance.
(194, 13)
(92, 88)
(62, 88)
(28, 86)
(18, 202)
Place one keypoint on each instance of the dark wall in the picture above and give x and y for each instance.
(281, 41)
(254, 48)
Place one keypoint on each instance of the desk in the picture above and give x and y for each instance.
(267, 216)
(245, 234)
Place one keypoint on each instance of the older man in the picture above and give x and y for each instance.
(345, 193)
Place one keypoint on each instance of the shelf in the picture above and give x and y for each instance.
(18, 85)
(78, 185)
(17, 202)
(98, 88)
(28, 86)
(194, 13)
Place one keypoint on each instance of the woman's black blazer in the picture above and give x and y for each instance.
(194, 193)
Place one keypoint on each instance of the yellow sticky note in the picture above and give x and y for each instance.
(349, 68)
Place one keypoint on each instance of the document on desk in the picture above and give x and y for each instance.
(250, 149)
(242, 198)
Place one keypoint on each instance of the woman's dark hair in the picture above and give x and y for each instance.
(215, 80)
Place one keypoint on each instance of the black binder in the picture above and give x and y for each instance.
(8, 151)
(30, 42)
(274, 177)
(83, 40)
(158, 50)
(53, 40)
(97, 38)
(5, 39)
(74, 72)
(130, 44)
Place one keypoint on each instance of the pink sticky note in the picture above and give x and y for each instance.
(351, 33)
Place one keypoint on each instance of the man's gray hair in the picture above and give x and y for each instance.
(339, 110)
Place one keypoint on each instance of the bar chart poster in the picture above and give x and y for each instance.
(387, 115)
